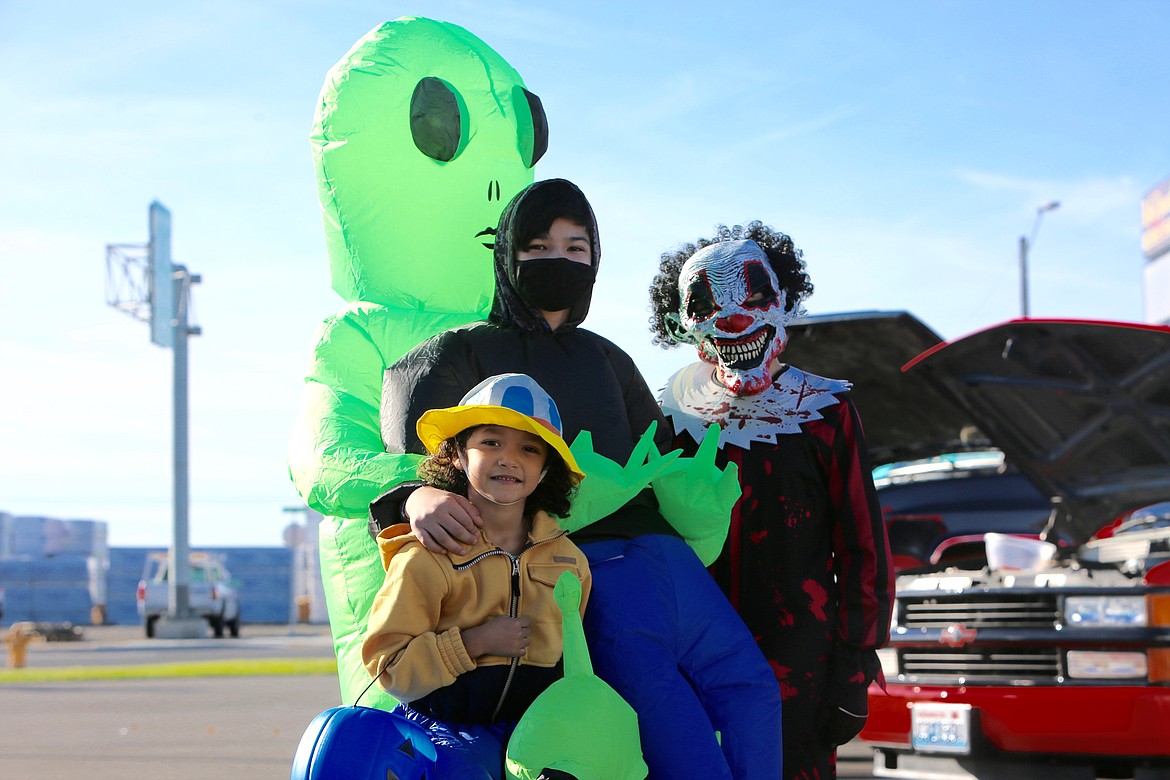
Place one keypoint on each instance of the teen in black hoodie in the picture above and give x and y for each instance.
(659, 630)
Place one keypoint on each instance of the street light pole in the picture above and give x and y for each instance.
(1026, 243)
(1023, 276)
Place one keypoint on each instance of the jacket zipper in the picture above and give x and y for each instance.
(513, 606)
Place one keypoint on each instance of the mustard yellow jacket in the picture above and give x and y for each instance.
(414, 638)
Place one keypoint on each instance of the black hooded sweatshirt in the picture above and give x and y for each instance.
(594, 383)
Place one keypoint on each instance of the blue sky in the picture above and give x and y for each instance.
(905, 147)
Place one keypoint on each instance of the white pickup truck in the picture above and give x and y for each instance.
(211, 594)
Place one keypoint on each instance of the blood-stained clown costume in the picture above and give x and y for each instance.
(807, 562)
(660, 632)
(422, 132)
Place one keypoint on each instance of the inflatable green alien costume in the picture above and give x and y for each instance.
(422, 133)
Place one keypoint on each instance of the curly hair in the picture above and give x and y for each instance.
(787, 262)
(553, 494)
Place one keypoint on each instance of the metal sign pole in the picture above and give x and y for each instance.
(159, 292)
(181, 623)
(180, 547)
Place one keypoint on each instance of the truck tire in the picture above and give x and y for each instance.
(234, 626)
(149, 625)
(216, 623)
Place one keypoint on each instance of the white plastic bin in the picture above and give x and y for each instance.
(1017, 553)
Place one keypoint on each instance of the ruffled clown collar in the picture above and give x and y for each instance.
(693, 399)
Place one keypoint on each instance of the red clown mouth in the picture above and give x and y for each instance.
(747, 351)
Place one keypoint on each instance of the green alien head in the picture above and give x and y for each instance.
(421, 134)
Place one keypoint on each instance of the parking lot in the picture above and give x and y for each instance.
(172, 727)
(180, 728)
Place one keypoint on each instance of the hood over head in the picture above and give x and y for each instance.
(531, 212)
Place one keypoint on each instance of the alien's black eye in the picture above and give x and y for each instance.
(437, 119)
(532, 126)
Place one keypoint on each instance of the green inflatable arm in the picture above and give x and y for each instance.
(697, 497)
(609, 485)
(694, 495)
(336, 458)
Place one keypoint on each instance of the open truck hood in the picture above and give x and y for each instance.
(1082, 408)
(904, 419)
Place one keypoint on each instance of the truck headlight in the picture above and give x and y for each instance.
(1105, 611)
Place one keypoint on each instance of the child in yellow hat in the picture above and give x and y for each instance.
(466, 642)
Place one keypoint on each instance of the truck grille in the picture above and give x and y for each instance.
(1032, 612)
(1041, 665)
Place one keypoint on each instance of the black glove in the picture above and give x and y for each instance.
(845, 705)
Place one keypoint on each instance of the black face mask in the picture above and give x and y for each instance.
(553, 283)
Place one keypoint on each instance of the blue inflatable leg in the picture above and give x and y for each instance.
(733, 679)
(632, 625)
(665, 637)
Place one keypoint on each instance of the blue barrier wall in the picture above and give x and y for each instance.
(46, 589)
(58, 588)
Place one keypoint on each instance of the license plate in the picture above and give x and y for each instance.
(940, 728)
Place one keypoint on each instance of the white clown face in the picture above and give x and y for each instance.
(733, 311)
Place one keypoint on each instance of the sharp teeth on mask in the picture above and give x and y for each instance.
(733, 353)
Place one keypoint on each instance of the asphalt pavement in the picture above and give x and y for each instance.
(182, 728)
(175, 728)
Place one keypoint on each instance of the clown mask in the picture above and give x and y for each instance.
(733, 310)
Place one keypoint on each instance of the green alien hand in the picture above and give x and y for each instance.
(696, 497)
(608, 485)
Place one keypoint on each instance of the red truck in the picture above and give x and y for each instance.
(1054, 663)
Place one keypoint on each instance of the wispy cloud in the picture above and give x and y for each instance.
(776, 136)
(1087, 198)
